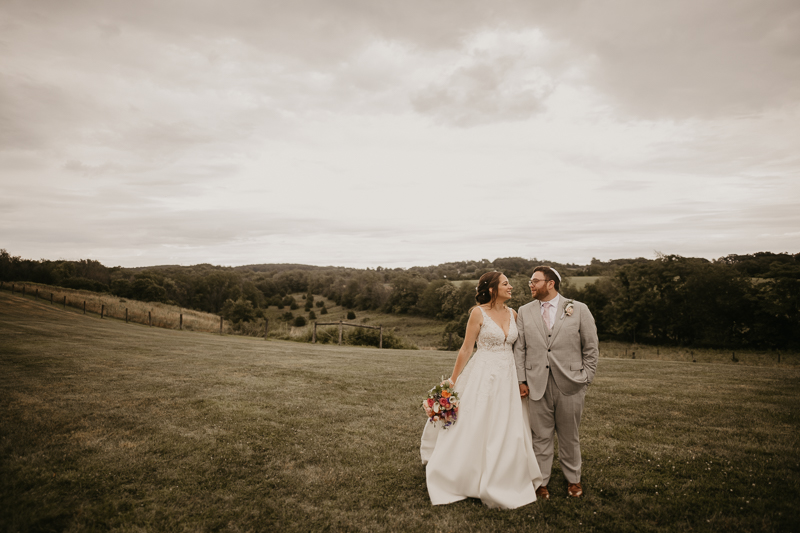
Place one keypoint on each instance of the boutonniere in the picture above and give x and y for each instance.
(568, 308)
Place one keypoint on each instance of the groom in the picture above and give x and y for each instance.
(556, 356)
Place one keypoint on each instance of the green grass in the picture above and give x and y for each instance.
(740, 357)
(161, 315)
(114, 426)
(580, 282)
(426, 333)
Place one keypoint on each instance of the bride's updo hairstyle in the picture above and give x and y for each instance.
(490, 280)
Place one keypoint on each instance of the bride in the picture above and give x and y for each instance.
(487, 453)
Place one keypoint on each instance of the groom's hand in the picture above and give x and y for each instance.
(523, 390)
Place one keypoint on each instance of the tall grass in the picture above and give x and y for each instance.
(160, 315)
(351, 336)
(738, 356)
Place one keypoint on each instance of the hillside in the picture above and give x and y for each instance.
(113, 426)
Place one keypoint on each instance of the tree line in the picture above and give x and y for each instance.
(737, 300)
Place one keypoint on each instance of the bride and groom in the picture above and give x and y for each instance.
(526, 382)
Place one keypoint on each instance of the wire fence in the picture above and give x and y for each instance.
(155, 314)
(152, 314)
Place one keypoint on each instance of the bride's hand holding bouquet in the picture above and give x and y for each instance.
(441, 405)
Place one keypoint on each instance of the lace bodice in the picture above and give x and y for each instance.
(491, 337)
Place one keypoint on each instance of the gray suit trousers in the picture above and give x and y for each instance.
(562, 414)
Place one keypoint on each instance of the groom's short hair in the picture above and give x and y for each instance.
(549, 275)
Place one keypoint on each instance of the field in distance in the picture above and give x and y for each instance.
(423, 332)
(108, 425)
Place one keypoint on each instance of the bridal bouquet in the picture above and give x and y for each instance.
(441, 405)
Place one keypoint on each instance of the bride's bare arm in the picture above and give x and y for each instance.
(473, 329)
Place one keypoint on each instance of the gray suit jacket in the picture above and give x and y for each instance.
(569, 350)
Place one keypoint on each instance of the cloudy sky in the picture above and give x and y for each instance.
(366, 133)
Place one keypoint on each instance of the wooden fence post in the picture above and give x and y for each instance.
(23, 291)
(126, 315)
(266, 327)
(340, 333)
(51, 298)
(220, 325)
(314, 334)
(150, 319)
(102, 310)
(380, 342)
(37, 293)
(84, 307)
(180, 324)
(65, 302)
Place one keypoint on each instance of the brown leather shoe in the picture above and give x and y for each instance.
(542, 493)
(574, 490)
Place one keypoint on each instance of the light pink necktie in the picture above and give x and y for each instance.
(546, 314)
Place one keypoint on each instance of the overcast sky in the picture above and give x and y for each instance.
(366, 133)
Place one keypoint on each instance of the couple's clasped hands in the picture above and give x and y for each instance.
(523, 390)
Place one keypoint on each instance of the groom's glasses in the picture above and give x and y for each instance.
(534, 281)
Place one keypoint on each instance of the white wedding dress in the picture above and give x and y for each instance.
(487, 453)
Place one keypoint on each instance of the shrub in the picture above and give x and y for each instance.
(312, 315)
(371, 337)
(351, 315)
(452, 335)
(319, 303)
(323, 311)
(294, 306)
(299, 322)
(240, 310)
(287, 316)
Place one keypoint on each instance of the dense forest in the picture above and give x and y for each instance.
(735, 301)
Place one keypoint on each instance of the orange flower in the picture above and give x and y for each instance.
(445, 394)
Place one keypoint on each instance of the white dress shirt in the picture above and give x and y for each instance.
(553, 309)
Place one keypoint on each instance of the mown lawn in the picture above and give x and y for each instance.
(108, 426)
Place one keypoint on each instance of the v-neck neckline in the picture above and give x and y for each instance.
(498, 325)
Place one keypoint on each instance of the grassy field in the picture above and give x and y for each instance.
(580, 282)
(424, 332)
(114, 426)
(158, 314)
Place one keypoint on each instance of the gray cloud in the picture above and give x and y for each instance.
(483, 92)
(157, 131)
(624, 185)
(685, 59)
